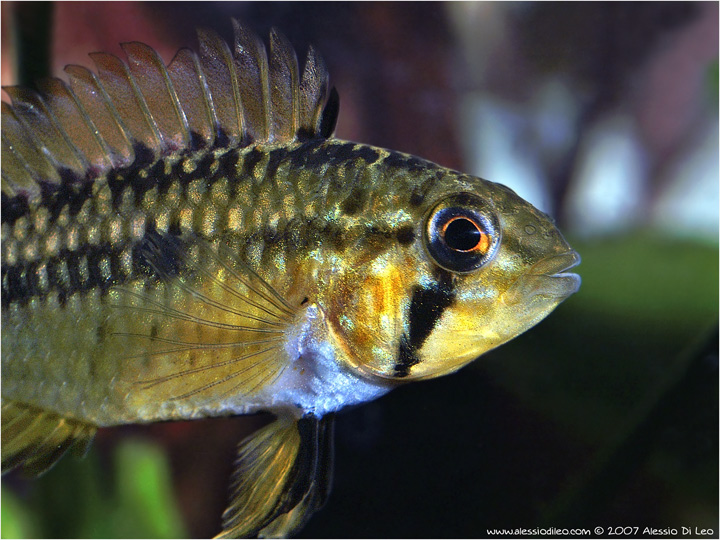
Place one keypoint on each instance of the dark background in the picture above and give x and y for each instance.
(605, 414)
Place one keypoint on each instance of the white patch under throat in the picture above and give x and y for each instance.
(315, 381)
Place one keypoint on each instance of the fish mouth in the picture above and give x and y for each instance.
(556, 265)
(548, 278)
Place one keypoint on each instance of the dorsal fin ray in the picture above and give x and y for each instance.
(222, 81)
(130, 104)
(252, 65)
(32, 156)
(30, 107)
(92, 96)
(75, 122)
(283, 87)
(154, 84)
(224, 96)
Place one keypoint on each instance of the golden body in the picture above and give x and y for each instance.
(270, 267)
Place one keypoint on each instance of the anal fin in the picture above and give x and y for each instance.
(283, 476)
(34, 439)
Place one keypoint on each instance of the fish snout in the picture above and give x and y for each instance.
(548, 278)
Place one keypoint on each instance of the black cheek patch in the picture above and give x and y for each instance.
(426, 308)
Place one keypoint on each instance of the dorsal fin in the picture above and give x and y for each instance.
(225, 96)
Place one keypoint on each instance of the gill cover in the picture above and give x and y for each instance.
(386, 305)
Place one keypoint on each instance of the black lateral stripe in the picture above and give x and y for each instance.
(13, 285)
(426, 308)
(305, 155)
(275, 159)
(340, 153)
(70, 194)
(21, 282)
(227, 165)
(154, 257)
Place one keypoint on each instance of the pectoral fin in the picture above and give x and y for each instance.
(214, 328)
(283, 475)
(35, 439)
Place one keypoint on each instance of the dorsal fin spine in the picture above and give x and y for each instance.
(104, 153)
(264, 66)
(208, 96)
(9, 136)
(86, 86)
(41, 148)
(142, 102)
(222, 81)
(153, 82)
(283, 85)
(179, 111)
(22, 177)
(61, 101)
(193, 95)
(26, 148)
(42, 121)
(313, 91)
(250, 59)
(142, 127)
(235, 84)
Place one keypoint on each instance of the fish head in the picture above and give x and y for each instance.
(485, 266)
(508, 264)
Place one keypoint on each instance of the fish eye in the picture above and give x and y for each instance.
(462, 233)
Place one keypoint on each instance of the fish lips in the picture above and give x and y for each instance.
(548, 278)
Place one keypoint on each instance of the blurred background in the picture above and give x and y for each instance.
(604, 115)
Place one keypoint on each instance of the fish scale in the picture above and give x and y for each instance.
(190, 240)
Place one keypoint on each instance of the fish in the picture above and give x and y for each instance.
(191, 240)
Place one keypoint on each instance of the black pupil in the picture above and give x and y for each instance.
(462, 235)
